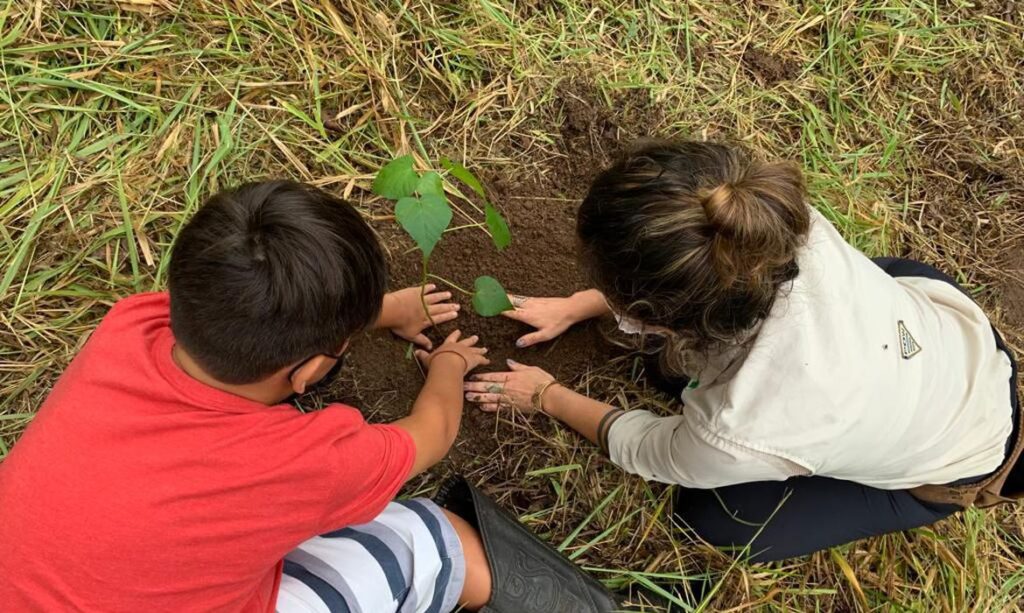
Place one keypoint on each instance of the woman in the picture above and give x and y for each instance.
(830, 397)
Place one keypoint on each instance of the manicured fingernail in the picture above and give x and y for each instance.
(520, 343)
(510, 361)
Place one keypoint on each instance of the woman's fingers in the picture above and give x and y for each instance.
(481, 387)
(493, 407)
(499, 377)
(490, 398)
(453, 337)
(423, 341)
(533, 338)
(516, 366)
(469, 341)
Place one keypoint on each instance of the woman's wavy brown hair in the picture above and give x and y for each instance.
(694, 237)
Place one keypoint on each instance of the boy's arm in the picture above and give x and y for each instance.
(433, 423)
(403, 312)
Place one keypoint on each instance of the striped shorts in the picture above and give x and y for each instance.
(408, 559)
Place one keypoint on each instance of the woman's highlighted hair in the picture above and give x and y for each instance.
(695, 237)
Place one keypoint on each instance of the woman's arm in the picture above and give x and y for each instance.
(528, 388)
(666, 449)
(553, 316)
(589, 417)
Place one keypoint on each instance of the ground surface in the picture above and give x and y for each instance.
(117, 120)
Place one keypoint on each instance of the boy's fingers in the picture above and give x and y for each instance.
(469, 341)
(429, 287)
(437, 297)
(443, 317)
(438, 309)
(423, 341)
(421, 355)
(453, 337)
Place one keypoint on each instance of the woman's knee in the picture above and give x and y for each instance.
(704, 513)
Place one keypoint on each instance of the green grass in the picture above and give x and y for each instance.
(115, 124)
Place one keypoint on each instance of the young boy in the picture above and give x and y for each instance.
(166, 473)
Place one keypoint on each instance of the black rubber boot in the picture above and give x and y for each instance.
(528, 575)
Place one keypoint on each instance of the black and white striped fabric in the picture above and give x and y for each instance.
(407, 560)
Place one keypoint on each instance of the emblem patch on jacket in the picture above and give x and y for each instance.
(908, 346)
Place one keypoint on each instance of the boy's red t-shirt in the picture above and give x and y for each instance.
(137, 488)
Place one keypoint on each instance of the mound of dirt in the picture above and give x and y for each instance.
(769, 68)
(541, 261)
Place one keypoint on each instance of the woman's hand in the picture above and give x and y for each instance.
(466, 348)
(553, 316)
(513, 389)
(404, 315)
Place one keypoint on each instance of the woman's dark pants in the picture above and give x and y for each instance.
(784, 519)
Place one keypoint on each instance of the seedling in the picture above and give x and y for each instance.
(422, 209)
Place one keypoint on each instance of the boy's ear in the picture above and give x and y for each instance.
(311, 371)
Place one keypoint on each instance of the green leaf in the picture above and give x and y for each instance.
(463, 174)
(397, 179)
(489, 297)
(496, 224)
(430, 183)
(425, 219)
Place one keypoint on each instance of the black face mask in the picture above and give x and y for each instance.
(332, 374)
(329, 376)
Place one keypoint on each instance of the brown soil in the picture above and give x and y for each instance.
(1011, 299)
(769, 68)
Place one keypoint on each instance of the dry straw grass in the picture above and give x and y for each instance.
(118, 119)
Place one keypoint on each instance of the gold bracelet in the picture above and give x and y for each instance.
(538, 395)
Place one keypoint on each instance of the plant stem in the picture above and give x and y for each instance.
(423, 293)
(448, 283)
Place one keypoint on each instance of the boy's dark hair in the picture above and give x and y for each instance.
(269, 274)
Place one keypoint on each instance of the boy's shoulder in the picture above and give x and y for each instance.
(137, 309)
(146, 302)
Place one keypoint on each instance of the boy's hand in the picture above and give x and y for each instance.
(465, 352)
(403, 312)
